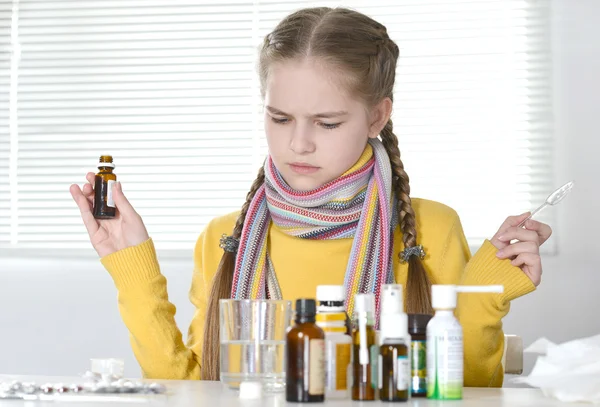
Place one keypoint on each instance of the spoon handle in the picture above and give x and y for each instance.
(539, 209)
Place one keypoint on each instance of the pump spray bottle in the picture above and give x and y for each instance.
(445, 342)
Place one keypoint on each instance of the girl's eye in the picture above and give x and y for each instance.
(330, 126)
(279, 121)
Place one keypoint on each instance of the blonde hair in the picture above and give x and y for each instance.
(361, 49)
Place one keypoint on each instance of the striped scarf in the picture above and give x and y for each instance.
(356, 205)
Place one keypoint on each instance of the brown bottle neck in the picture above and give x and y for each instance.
(305, 319)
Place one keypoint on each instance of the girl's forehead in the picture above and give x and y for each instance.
(306, 86)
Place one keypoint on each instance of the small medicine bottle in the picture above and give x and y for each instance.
(363, 339)
(417, 328)
(305, 359)
(394, 368)
(104, 206)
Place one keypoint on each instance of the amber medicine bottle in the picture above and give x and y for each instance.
(363, 339)
(394, 366)
(305, 359)
(104, 206)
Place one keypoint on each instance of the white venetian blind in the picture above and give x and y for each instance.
(5, 60)
(168, 88)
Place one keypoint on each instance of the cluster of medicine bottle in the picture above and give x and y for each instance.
(352, 360)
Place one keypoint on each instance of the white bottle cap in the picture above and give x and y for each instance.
(364, 303)
(394, 322)
(443, 296)
(250, 390)
(391, 299)
(331, 293)
(393, 326)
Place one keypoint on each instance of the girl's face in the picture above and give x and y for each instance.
(315, 130)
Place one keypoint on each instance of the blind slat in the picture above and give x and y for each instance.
(170, 89)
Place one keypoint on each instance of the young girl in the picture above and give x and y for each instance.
(331, 205)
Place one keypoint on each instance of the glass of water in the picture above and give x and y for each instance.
(252, 334)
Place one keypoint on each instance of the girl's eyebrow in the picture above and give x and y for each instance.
(324, 115)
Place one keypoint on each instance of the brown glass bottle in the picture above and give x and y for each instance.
(394, 371)
(104, 207)
(363, 338)
(305, 367)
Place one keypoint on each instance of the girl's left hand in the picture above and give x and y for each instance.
(525, 252)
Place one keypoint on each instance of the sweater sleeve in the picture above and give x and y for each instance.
(150, 317)
(481, 314)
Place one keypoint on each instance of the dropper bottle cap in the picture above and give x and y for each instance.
(394, 322)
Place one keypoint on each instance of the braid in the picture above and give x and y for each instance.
(221, 288)
(418, 285)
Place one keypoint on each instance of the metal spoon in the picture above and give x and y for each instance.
(554, 198)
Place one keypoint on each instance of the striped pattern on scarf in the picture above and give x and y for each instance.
(359, 204)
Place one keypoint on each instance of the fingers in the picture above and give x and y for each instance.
(543, 231)
(531, 264)
(121, 202)
(85, 208)
(513, 221)
(510, 222)
(520, 234)
(91, 177)
(516, 249)
(88, 192)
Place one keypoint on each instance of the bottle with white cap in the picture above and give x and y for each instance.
(331, 318)
(445, 342)
(394, 367)
(363, 338)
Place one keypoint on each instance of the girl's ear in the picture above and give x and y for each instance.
(379, 116)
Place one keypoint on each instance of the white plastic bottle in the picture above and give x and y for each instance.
(445, 366)
(331, 318)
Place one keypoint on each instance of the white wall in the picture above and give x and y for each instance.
(564, 307)
(56, 314)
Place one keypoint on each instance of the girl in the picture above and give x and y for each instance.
(331, 205)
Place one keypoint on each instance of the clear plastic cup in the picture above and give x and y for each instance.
(252, 336)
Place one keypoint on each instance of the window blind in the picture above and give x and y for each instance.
(168, 87)
(5, 71)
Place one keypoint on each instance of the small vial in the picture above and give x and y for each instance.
(394, 365)
(305, 371)
(363, 339)
(104, 206)
(394, 370)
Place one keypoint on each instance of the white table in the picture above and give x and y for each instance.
(214, 394)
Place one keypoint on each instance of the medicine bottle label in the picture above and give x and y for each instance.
(342, 360)
(109, 195)
(445, 366)
(403, 372)
(419, 367)
(316, 369)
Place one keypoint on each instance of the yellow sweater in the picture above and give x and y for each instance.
(303, 264)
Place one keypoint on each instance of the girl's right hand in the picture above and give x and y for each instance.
(126, 229)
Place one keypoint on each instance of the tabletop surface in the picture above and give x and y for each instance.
(214, 394)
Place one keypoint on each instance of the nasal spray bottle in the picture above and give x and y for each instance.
(445, 342)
